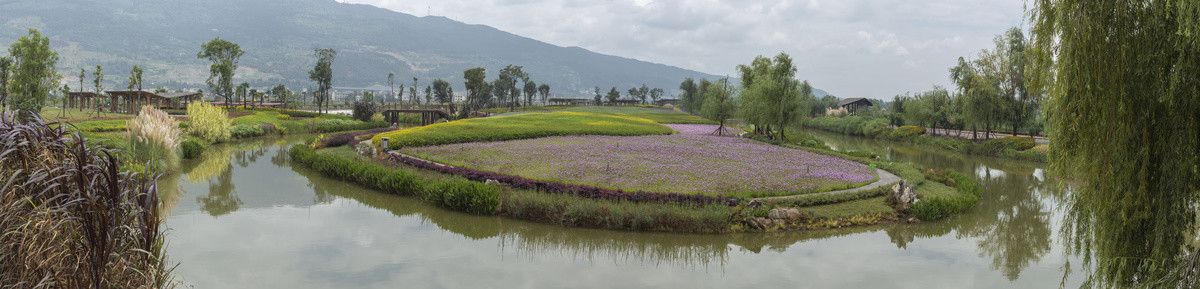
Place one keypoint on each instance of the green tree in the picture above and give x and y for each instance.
(655, 95)
(772, 98)
(282, 95)
(412, 93)
(1122, 86)
(98, 84)
(242, 92)
(322, 73)
(508, 79)
(544, 91)
(478, 89)
(719, 104)
(613, 95)
(428, 94)
(391, 87)
(688, 94)
(530, 90)
(444, 94)
(224, 56)
(596, 99)
(33, 75)
(5, 74)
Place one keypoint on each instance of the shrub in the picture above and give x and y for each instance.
(838, 112)
(938, 206)
(874, 127)
(154, 136)
(192, 148)
(909, 131)
(283, 117)
(363, 110)
(250, 131)
(208, 122)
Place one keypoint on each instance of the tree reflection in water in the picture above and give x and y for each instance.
(222, 195)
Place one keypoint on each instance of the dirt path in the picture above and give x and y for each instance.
(885, 179)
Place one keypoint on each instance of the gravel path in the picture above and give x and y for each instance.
(885, 179)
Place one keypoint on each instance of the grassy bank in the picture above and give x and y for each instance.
(1017, 148)
(522, 126)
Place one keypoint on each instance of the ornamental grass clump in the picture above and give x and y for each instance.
(70, 218)
(154, 139)
(208, 122)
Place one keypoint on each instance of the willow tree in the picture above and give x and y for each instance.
(771, 97)
(1122, 79)
(719, 105)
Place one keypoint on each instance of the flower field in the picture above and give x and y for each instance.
(690, 162)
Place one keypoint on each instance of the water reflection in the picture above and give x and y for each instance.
(288, 227)
(1012, 221)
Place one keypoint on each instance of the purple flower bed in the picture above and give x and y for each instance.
(578, 190)
(691, 162)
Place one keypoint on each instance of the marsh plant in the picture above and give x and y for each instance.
(208, 122)
(70, 218)
(154, 139)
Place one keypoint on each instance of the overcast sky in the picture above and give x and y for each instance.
(850, 48)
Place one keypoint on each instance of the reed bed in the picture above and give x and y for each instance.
(154, 139)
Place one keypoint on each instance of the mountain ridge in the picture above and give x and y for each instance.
(279, 36)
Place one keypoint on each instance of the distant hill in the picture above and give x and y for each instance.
(163, 36)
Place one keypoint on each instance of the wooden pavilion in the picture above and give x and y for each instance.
(84, 99)
(853, 104)
(625, 102)
(132, 100)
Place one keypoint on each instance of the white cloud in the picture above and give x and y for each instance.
(897, 46)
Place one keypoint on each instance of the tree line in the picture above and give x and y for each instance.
(769, 97)
(992, 91)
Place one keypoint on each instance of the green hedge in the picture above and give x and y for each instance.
(192, 147)
(454, 194)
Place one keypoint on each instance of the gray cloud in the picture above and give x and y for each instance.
(871, 48)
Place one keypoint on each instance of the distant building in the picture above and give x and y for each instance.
(666, 102)
(853, 104)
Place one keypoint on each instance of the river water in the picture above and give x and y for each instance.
(243, 217)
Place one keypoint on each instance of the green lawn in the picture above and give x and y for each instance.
(523, 126)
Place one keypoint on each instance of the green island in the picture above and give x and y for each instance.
(603, 168)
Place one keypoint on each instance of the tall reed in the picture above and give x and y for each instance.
(154, 137)
(70, 218)
(208, 122)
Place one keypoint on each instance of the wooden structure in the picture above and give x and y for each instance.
(132, 100)
(853, 104)
(428, 116)
(569, 101)
(624, 102)
(83, 99)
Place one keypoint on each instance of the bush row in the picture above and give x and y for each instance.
(455, 194)
(577, 190)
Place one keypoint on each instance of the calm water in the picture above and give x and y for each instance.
(242, 217)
